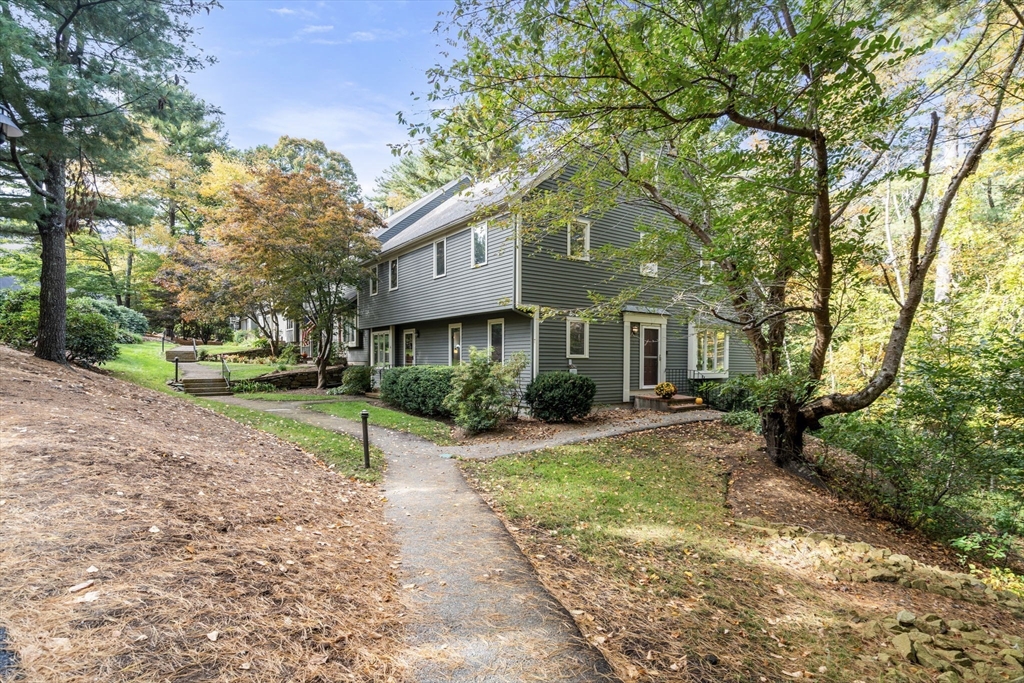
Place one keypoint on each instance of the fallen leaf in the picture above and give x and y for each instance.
(154, 529)
(91, 596)
(91, 570)
(213, 635)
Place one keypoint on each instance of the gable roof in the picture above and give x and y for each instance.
(492, 193)
(402, 219)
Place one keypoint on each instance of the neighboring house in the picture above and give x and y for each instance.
(447, 280)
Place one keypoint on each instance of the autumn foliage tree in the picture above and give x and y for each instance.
(309, 241)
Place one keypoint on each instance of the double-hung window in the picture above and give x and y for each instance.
(577, 338)
(374, 280)
(350, 333)
(578, 242)
(649, 269)
(380, 350)
(496, 339)
(479, 244)
(393, 274)
(709, 351)
(440, 257)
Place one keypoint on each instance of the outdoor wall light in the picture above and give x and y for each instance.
(634, 329)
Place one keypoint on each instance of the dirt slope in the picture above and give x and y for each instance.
(210, 551)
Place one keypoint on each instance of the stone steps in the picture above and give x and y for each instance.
(206, 387)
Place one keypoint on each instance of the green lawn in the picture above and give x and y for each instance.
(341, 450)
(432, 430)
(250, 370)
(143, 364)
(640, 525)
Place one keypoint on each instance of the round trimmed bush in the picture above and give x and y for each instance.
(560, 396)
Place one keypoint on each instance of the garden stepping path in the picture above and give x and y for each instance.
(477, 611)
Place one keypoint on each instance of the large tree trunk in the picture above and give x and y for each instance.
(783, 429)
(323, 357)
(53, 296)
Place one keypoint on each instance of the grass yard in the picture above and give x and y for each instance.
(634, 536)
(342, 451)
(143, 364)
(432, 430)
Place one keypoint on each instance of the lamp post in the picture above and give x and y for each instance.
(8, 129)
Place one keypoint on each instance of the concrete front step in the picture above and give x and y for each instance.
(677, 403)
(194, 382)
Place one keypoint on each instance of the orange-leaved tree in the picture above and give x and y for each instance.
(308, 240)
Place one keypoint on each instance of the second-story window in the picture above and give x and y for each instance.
(479, 247)
(578, 246)
(393, 274)
(440, 257)
(373, 280)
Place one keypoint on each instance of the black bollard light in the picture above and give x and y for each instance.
(366, 438)
(175, 369)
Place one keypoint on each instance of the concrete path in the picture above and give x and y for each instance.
(477, 610)
(198, 371)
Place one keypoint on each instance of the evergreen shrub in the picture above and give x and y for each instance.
(356, 380)
(560, 396)
(418, 389)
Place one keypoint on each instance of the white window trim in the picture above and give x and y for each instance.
(585, 256)
(444, 248)
(472, 245)
(375, 280)
(373, 348)
(461, 344)
(649, 269)
(586, 338)
(347, 326)
(490, 324)
(405, 334)
(692, 355)
(392, 275)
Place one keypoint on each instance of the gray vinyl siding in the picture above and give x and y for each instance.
(604, 364)
(432, 342)
(550, 279)
(360, 355)
(464, 290)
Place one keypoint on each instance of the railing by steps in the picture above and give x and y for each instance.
(225, 371)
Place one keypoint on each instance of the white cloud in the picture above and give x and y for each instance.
(282, 11)
(363, 36)
(361, 133)
(317, 29)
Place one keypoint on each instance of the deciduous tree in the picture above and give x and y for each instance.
(755, 132)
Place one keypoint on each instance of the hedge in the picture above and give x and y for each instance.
(418, 389)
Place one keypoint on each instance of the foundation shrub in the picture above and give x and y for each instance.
(418, 389)
(356, 380)
(560, 396)
(483, 392)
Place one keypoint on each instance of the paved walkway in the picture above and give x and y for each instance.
(478, 611)
(198, 371)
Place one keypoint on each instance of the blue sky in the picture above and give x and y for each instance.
(338, 71)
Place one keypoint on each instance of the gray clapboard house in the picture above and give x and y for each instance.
(452, 274)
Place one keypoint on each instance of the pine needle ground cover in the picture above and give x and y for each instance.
(635, 535)
(146, 538)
